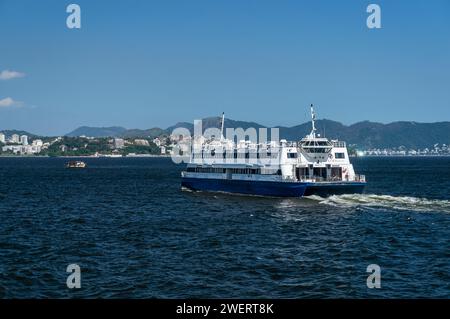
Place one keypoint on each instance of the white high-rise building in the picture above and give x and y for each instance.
(24, 140)
(15, 138)
(2, 138)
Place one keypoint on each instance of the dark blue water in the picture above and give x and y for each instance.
(134, 234)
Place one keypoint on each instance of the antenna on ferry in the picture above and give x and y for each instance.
(221, 129)
(313, 118)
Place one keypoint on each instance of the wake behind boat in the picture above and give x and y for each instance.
(312, 166)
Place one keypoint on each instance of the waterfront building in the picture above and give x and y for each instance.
(38, 143)
(119, 143)
(22, 149)
(24, 140)
(141, 142)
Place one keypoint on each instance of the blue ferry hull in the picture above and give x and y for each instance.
(261, 188)
(279, 189)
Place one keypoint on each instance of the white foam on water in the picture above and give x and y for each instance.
(385, 201)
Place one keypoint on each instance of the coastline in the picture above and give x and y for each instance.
(168, 156)
(84, 156)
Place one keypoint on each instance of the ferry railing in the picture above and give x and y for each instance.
(338, 144)
(307, 178)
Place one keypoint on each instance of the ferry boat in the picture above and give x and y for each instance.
(314, 165)
(76, 164)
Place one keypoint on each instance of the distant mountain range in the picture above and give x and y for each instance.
(116, 131)
(362, 134)
(113, 131)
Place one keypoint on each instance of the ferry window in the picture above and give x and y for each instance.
(292, 155)
(339, 155)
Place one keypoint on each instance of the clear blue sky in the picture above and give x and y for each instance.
(141, 64)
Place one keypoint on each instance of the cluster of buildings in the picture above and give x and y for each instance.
(436, 150)
(19, 145)
(161, 143)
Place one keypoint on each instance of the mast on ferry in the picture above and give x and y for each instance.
(221, 128)
(312, 135)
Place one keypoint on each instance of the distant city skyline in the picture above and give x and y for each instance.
(144, 64)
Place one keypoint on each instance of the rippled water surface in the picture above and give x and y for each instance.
(135, 234)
